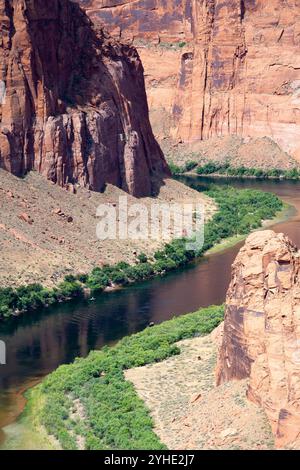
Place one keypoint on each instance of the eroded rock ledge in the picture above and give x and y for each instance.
(226, 67)
(261, 331)
(76, 107)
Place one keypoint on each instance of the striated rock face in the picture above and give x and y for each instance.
(235, 64)
(153, 19)
(75, 107)
(262, 330)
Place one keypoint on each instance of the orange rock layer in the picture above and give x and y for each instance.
(75, 107)
(262, 330)
(233, 69)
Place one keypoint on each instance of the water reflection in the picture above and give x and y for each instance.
(39, 343)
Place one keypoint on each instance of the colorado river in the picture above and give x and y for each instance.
(38, 343)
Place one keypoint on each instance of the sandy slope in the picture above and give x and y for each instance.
(190, 412)
(47, 232)
(251, 153)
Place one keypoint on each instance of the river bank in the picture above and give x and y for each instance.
(285, 214)
(238, 213)
(263, 154)
(27, 433)
(194, 413)
(217, 170)
(47, 233)
(237, 177)
(66, 404)
(34, 347)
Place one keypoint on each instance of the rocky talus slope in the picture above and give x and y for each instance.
(261, 331)
(225, 67)
(47, 232)
(75, 108)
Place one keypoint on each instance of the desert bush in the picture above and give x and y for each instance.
(242, 171)
(175, 169)
(116, 418)
(239, 212)
(142, 258)
(69, 290)
(190, 165)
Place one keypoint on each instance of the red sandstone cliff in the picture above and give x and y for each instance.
(75, 108)
(261, 330)
(225, 66)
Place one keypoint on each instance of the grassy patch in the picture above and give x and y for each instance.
(115, 417)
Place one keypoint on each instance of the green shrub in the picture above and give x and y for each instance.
(142, 258)
(70, 289)
(159, 255)
(119, 278)
(239, 212)
(159, 266)
(83, 278)
(242, 171)
(132, 273)
(208, 168)
(175, 169)
(5, 311)
(145, 270)
(292, 174)
(122, 266)
(70, 278)
(95, 286)
(190, 165)
(116, 418)
(98, 280)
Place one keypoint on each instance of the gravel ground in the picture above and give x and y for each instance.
(252, 153)
(190, 412)
(47, 232)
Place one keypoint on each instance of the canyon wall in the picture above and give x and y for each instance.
(75, 107)
(215, 67)
(261, 330)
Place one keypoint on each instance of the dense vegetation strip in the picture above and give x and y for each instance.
(112, 415)
(240, 211)
(225, 169)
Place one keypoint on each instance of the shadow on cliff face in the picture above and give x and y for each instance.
(76, 107)
(215, 68)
